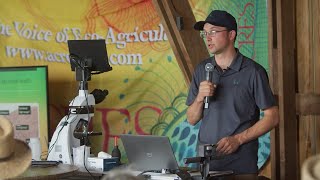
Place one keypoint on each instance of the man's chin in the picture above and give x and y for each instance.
(212, 51)
(215, 51)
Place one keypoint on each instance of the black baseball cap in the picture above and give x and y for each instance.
(218, 18)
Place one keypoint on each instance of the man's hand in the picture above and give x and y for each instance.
(227, 145)
(206, 88)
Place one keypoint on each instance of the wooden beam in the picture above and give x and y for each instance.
(273, 77)
(305, 71)
(288, 129)
(188, 47)
(308, 104)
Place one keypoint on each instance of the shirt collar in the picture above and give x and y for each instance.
(236, 63)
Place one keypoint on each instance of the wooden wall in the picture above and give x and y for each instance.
(295, 57)
(308, 74)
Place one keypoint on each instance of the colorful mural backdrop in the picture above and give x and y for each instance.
(147, 91)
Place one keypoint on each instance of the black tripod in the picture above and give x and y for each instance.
(207, 154)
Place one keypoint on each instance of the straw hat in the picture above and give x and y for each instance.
(15, 155)
(311, 168)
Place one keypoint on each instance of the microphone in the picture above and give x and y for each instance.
(209, 69)
(194, 160)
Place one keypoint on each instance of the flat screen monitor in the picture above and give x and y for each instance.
(24, 101)
(89, 53)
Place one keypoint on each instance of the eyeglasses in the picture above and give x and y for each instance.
(212, 33)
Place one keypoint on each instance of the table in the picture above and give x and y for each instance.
(49, 172)
(197, 176)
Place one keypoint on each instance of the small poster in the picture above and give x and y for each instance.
(24, 117)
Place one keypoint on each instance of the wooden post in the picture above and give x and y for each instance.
(178, 20)
(288, 126)
(273, 77)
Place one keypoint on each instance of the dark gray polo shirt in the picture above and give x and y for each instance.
(242, 90)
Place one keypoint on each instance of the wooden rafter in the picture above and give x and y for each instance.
(178, 20)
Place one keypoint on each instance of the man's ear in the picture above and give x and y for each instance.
(232, 35)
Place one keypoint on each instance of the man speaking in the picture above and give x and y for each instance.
(237, 91)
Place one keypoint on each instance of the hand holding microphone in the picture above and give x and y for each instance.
(207, 88)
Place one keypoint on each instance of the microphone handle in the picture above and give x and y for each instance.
(206, 100)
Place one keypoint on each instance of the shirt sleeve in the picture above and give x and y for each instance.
(262, 92)
(194, 88)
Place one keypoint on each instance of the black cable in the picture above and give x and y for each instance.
(74, 58)
(84, 162)
(51, 147)
(86, 136)
(64, 124)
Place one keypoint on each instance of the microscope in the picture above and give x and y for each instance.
(207, 153)
(87, 57)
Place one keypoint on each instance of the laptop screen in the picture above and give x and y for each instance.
(148, 152)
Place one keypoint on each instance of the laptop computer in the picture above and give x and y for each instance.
(149, 152)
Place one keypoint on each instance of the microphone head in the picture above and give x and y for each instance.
(209, 67)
